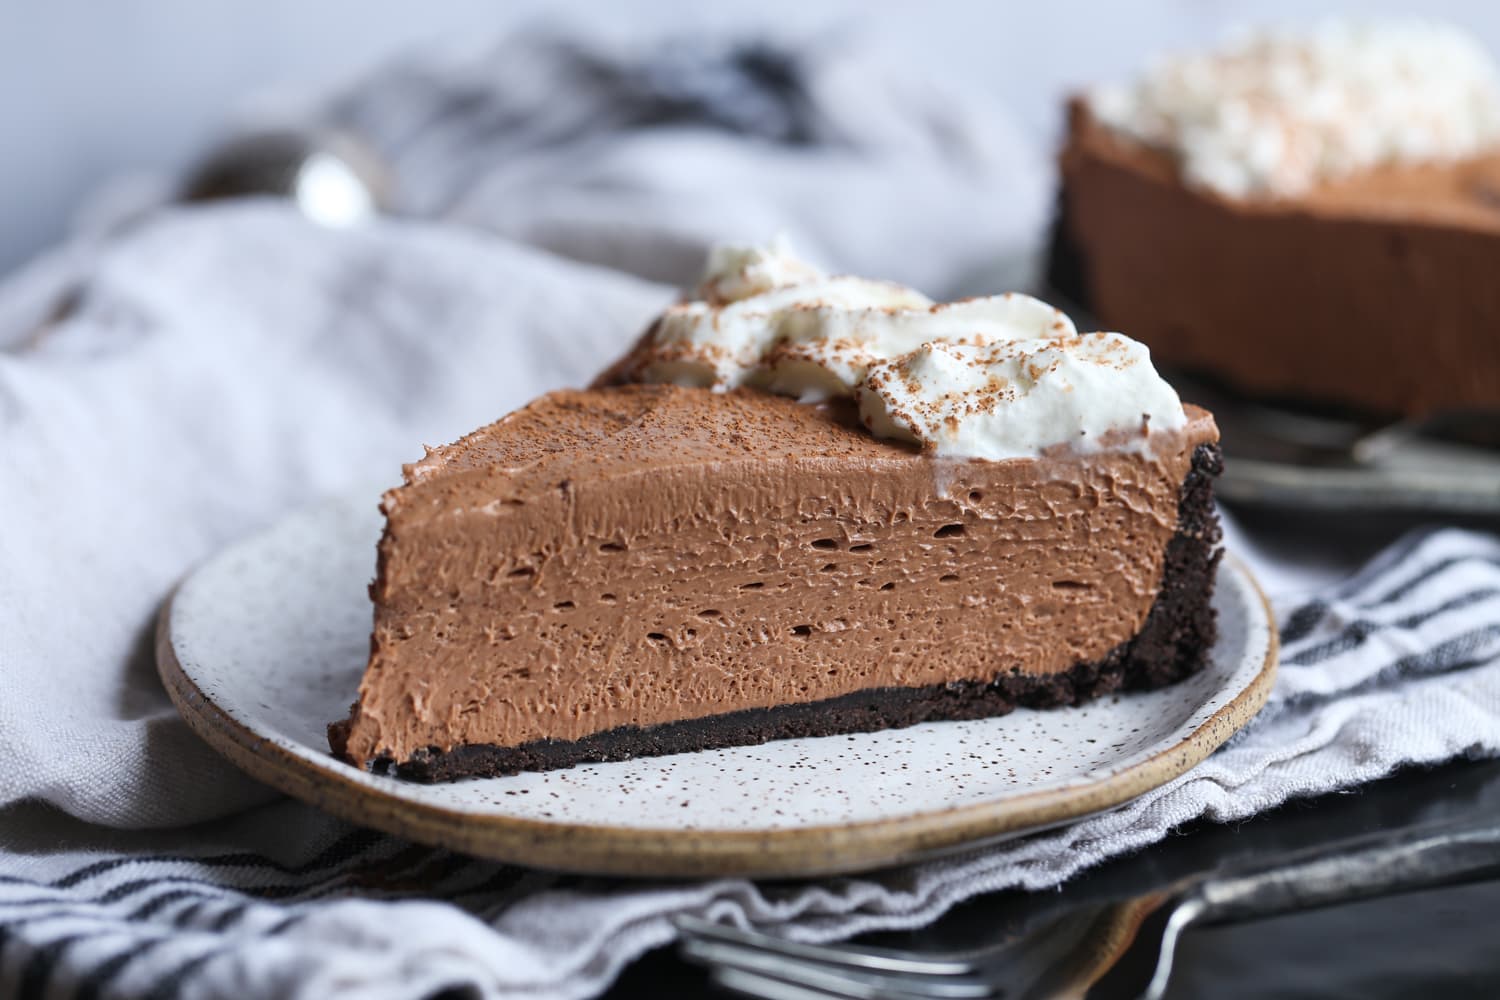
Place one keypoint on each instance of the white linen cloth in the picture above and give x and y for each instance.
(217, 367)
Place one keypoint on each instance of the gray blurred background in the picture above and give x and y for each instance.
(94, 90)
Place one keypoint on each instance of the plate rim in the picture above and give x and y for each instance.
(830, 849)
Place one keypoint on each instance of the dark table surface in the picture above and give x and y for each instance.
(1439, 943)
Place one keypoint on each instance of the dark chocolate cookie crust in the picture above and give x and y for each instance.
(1173, 644)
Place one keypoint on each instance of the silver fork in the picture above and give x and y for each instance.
(1066, 954)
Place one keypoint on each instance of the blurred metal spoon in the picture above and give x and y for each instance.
(332, 177)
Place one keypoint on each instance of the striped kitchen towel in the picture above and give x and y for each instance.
(1399, 664)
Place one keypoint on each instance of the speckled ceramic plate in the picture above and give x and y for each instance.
(265, 644)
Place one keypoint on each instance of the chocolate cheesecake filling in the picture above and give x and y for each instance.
(1173, 644)
(650, 569)
(1374, 291)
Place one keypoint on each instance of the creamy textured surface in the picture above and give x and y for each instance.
(1020, 398)
(1277, 113)
(1004, 376)
(736, 272)
(645, 554)
(1314, 297)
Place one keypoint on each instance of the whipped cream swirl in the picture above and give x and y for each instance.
(1004, 376)
(1276, 113)
(1021, 397)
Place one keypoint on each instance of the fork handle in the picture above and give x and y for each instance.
(1386, 864)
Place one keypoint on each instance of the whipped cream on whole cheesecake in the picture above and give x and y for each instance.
(997, 377)
(1275, 113)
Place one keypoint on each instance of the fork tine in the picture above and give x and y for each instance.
(753, 984)
(862, 957)
(833, 980)
(1061, 956)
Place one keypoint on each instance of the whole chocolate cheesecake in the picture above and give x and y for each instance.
(800, 506)
(1310, 216)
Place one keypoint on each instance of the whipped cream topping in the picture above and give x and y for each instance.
(1021, 397)
(736, 272)
(1004, 376)
(1276, 113)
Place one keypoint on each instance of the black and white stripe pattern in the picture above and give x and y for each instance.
(142, 924)
(1428, 605)
(1399, 664)
(443, 127)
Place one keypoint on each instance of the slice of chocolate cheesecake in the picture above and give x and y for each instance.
(942, 531)
(1282, 216)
